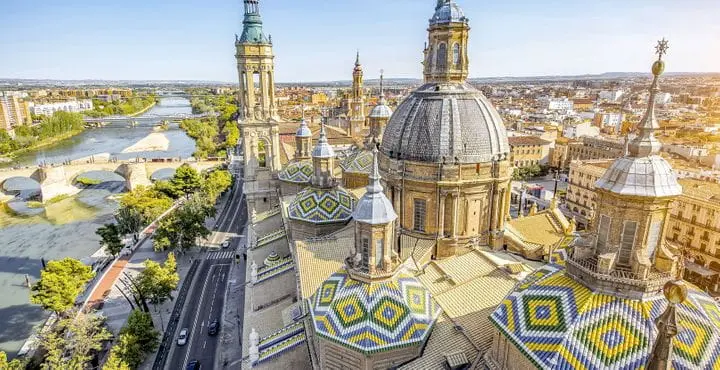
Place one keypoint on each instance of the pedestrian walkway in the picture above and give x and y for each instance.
(221, 255)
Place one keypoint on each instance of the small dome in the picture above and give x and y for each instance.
(448, 13)
(304, 130)
(373, 317)
(644, 177)
(381, 111)
(558, 323)
(444, 123)
(297, 172)
(374, 207)
(323, 149)
(358, 162)
(322, 206)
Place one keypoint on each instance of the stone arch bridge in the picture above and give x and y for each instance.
(61, 179)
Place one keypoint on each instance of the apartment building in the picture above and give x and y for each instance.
(529, 150)
(74, 106)
(585, 148)
(13, 111)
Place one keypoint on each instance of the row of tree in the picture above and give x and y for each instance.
(124, 107)
(213, 136)
(26, 136)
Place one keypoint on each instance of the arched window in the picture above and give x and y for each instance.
(419, 215)
(456, 54)
(442, 57)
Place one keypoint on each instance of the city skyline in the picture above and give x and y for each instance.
(187, 40)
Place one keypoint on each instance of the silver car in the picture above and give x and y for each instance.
(182, 338)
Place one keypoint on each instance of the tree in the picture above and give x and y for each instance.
(114, 362)
(216, 182)
(9, 365)
(186, 180)
(158, 282)
(129, 221)
(79, 338)
(181, 230)
(60, 284)
(137, 339)
(147, 201)
(110, 238)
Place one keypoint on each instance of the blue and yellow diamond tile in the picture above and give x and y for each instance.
(692, 342)
(389, 314)
(612, 339)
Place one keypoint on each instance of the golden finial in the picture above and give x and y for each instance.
(675, 292)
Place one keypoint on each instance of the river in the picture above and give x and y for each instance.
(67, 228)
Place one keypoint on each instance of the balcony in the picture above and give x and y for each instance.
(622, 282)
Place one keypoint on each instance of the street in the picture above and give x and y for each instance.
(206, 298)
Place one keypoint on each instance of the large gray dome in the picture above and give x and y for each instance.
(446, 123)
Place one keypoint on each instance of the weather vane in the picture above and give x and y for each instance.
(662, 48)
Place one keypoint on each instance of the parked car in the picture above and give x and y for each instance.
(193, 365)
(182, 338)
(225, 244)
(214, 327)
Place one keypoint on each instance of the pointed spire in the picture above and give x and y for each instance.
(645, 144)
(357, 59)
(382, 87)
(374, 186)
(323, 148)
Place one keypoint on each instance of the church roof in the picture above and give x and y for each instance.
(358, 162)
(558, 323)
(444, 123)
(373, 317)
(297, 172)
(322, 206)
(645, 177)
(447, 12)
(381, 110)
(374, 207)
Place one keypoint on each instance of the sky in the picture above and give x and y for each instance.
(317, 40)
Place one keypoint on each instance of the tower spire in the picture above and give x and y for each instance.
(645, 144)
(374, 185)
(357, 59)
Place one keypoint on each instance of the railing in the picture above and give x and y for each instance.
(588, 266)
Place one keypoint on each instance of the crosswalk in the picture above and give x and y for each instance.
(220, 255)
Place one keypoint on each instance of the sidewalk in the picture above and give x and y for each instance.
(230, 348)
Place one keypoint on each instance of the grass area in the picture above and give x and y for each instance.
(57, 199)
(35, 204)
(87, 181)
(43, 143)
(143, 110)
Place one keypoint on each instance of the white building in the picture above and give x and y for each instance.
(663, 98)
(686, 151)
(563, 104)
(73, 106)
(613, 120)
(610, 95)
(585, 129)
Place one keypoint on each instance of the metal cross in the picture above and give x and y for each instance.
(662, 48)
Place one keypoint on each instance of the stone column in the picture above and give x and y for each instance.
(264, 94)
(455, 215)
(250, 77)
(441, 210)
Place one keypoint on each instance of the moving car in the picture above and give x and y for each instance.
(182, 338)
(193, 365)
(214, 327)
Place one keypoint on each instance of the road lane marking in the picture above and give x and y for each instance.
(197, 315)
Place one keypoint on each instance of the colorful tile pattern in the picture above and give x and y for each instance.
(297, 172)
(375, 317)
(360, 162)
(560, 324)
(322, 206)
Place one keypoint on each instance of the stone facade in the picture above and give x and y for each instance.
(585, 148)
(581, 197)
(529, 150)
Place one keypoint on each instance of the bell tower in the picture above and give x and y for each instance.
(357, 100)
(446, 57)
(257, 111)
(256, 68)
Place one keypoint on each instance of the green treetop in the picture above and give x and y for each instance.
(60, 284)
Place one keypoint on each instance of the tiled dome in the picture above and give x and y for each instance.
(444, 122)
(373, 317)
(322, 206)
(644, 177)
(358, 162)
(558, 323)
(449, 12)
(297, 172)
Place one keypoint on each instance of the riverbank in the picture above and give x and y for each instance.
(143, 110)
(8, 157)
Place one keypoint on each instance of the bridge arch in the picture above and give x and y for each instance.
(19, 185)
(162, 174)
(95, 177)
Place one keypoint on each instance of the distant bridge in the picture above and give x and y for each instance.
(146, 119)
(61, 179)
